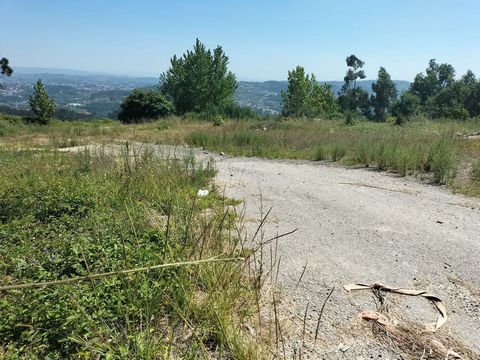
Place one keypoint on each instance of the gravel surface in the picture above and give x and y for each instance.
(360, 225)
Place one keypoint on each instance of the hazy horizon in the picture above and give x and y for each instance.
(263, 40)
(66, 71)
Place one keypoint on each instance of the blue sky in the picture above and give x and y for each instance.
(264, 39)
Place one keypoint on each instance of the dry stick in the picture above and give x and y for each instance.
(201, 239)
(301, 276)
(119, 272)
(167, 230)
(304, 325)
(274, 238)
(321, 312)
(278, 269)
(276, 321)
(261, 225)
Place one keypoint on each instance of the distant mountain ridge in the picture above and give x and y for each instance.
(98, 95)
(265, 97)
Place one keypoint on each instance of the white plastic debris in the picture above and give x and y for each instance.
(202, 193)
(222, 153)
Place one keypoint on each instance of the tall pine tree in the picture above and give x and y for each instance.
(199, 80)
(42, 105)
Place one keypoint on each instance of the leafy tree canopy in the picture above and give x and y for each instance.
(438, 76)
(5, 67)
(305, 96)
(441, 95)
(143, 105)
(385, 94)
(199, 80)
(353, 98)
(405, 107)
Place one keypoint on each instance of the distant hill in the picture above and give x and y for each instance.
(99, 95)
(265, 97)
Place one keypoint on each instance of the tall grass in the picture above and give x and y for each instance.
(417, 148)
(63, 216)
(412, 149)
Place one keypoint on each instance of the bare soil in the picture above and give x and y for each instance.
(361, 225)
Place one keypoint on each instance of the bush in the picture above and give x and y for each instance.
(218, 121)
(338, 153)
(405, 108)
(441, 160)
(227, 111)
(143, 105)
(349, 118)
(362, 154)
(476, 171)
(320, 153)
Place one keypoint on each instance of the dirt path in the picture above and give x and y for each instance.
(358, 225)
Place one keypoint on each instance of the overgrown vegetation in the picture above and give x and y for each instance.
(435, 151)
(67, 215)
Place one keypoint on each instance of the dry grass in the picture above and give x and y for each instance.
(409, 339)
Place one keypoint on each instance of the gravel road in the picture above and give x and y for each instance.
(360, 225)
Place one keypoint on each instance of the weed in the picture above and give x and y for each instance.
(68, 215)
(320, 153)
(441, 160)
(362, 154)
(339, 152)
(218, 120)
(476, 171)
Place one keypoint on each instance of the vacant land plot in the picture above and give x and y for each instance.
(354, 225)
(438, 152)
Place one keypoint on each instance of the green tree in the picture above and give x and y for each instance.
(143, 105)
(405, 107)
(42, 105)
(385, 94)
(472, 98)
(355, 72)
(296, 97)
(199, 80)
(5, 67)
(353, 98)
(438, 77)
(305, 96)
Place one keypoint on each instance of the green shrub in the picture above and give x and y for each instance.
(403, 163)
(349, 118)
(441, 160)
(320, 153)
(362, 154)
(339, 152)
(218, 120)
(145, 105)
(476, 171)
